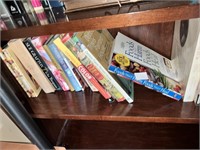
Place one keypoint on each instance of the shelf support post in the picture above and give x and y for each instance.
(21, 117)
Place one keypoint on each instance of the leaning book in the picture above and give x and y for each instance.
(23, 77)
(132, 60)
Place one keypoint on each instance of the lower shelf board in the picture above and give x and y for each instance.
(149, 106)
(82, 134)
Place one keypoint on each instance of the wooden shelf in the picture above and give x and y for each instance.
(149, 106)
(114, 21)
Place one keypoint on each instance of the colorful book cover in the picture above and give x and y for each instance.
(134, 61)
(81, 67)
(55, 51)
(23, 77)
(38, 44)
(96, 69)
(38, 59)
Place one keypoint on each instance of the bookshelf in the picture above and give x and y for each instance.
(149, 106)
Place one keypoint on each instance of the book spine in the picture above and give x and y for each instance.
(58, 67)
(99, 72)
(38, 44)
(81, 67)
(16, 72)
(64, 66)
(146, 83)
(71, 68)
(41, 63)
(29, 78)
(39, 10)
(15, 7)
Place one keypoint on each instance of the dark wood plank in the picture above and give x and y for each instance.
(158, 37)
(149, 106)
(114, 21)
(128, 135)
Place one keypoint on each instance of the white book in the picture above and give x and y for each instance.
(186, 55)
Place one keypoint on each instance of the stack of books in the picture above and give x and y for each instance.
(66, 63)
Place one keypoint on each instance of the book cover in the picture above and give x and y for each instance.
(18, 48)
(68, 72)
(38, 44)
(134, 61)
(81, 67)
(96, 47)
(41, 63)
(23, 77)
(186, 55)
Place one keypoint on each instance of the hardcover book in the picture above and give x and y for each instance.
(134, 61)
(23, 54)
(95, 59)
(186, 54)
(23, 77)
(81, 68)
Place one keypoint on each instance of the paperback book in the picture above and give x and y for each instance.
(142, 65)
(23, 77)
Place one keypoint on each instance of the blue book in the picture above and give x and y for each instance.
(146, 83)
(54, 50)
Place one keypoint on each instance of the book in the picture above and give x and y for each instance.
(74, 71)
(23, 77)
(3, 10)
(64, 38)
(39, 10)
(58, 67)
(18, 48)
(81, 68)
(41, 63)
(142, 65)
(186, 55)
(38, 44)
(15, 7)
(68, 72)
(18, 12)
(101, 41)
